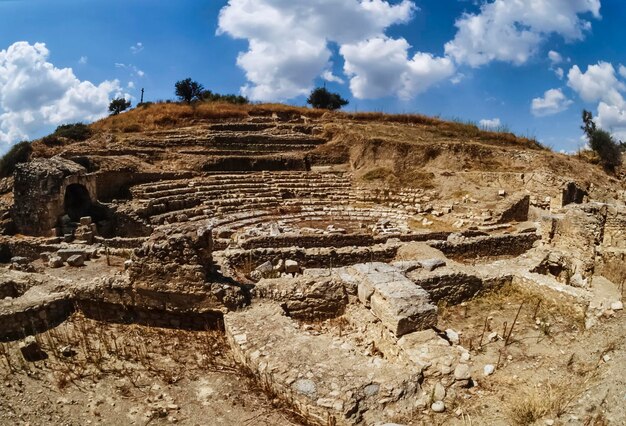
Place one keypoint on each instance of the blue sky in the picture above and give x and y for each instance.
(530, 67)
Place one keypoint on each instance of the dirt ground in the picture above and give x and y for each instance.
(550, 371)
(115, 374)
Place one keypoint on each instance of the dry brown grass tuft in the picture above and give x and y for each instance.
(532, 403)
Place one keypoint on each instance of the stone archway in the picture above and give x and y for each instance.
(77, 202)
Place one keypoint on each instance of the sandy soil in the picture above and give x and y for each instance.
(130, 375)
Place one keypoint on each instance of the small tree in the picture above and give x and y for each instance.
(601, 142)
(322, 98)
(187, 90)
(118, 105)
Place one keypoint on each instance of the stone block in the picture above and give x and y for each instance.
(401, 305)
(76, 260)
(31, 351)
(65, 254)
(86, 220)
(55, 261)
(292, 267)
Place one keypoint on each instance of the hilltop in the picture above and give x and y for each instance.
(297, 266)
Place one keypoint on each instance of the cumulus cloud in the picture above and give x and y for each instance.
(493, 123)
(622, 71)
(512, 30)
(600, 83)
(380, 67)
(288, 47)
(34, 94)
(552, 102)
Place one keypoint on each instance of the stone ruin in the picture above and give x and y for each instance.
(263, 245)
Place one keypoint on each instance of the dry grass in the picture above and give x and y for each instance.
(444, 129)
(410, 178)
(120, 350)
(170, 114)
(532, 403)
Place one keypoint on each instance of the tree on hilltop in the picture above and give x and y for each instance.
(322, 98)
(602, 143)
(187, 90)
(118, 105)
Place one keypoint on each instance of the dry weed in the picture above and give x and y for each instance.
(535, 402)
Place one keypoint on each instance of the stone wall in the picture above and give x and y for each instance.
(615, 227)
(17, 321)
(515, 209)
(243, 260)
(488, 246)
(30, 248)
(39, 193)
(341, 240)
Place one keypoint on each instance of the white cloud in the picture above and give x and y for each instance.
(329, 76)
(493, 123)
(613, 118)
(34, 94)
(83, 60)
(559, 72)
(131, 85)
(552, 102)
(601, 84)
(380, 67)
(288, 46)
(597, 83)
(555, 57)
(136, 48)
(512, 30)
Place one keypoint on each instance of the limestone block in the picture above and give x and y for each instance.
(65, 254)
(402, 314)
(76, 260)
(55, 261)
(292, 267)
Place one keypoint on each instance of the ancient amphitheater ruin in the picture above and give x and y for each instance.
(333, 289)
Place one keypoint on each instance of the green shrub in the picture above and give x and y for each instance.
(187, 90)
(118, 105)
(51, 140)
(19, 153)
(607, 149)
(209, 96)
(75, 131)
(602, 143)
(323, 99)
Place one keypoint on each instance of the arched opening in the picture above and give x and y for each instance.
(77, 202)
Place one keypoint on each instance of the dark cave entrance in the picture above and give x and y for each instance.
(77, 202)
